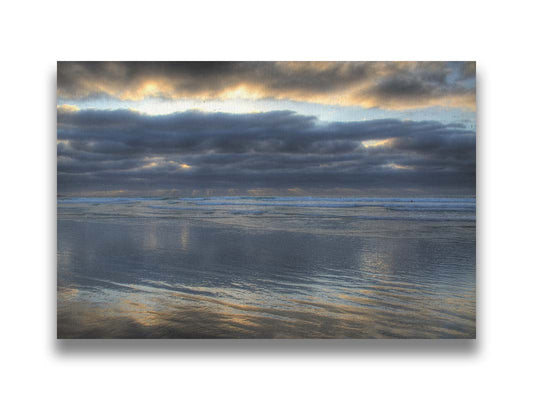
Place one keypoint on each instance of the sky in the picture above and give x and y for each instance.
(266, 128)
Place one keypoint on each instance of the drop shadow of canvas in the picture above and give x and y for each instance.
(268, 348)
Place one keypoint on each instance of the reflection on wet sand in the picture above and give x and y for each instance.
(166, 313)
(184, 237)
(195, 277)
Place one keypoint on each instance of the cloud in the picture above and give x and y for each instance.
(126, 150)
(429, 85)
(67, 108)
(390, 85)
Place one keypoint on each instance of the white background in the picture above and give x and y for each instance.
(36, 34)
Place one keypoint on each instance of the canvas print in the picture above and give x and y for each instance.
(266, 200)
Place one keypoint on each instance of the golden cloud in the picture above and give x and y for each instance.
(388, 85)
(67, 108)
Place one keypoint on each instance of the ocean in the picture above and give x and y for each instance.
(266, 267)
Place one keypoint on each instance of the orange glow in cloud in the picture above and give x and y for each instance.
(67, 108)
(399, 166)
(376, 143)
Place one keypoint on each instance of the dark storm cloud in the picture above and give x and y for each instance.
(192, 77)
(126, 150)
(369, 84)
(426, 82)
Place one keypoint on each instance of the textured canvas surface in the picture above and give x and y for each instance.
(266, 200)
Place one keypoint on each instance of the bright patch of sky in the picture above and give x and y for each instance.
(157, 106)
